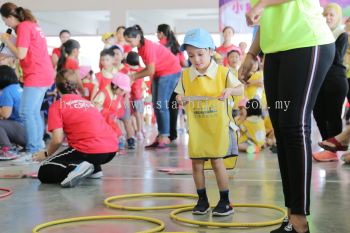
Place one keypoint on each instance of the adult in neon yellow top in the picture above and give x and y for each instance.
(292, 24)
(299, 49)
(210, 123)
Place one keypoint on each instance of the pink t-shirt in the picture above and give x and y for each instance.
(180, 56)
(57, 51)
(86, 130)
(37, 67)
(71, 64)
(165, 62)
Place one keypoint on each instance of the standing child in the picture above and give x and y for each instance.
(86, 73)
(119, 58)
(234, 60)
(211, 127)
(69, 60)
(108, 71)
(136, 97)
(124, 68)
(91, 141)
(110, 101)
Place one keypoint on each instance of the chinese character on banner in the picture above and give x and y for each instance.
(232, 13)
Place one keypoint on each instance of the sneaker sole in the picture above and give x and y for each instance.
(8, 158)
(223, 214)
(201, 213)
(95, 176)
(79, 176)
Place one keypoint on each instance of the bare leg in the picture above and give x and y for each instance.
(198, 173)
(220, 173)
(128, 127)
(243, 147)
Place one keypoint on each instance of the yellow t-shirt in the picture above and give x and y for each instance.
(291, 25)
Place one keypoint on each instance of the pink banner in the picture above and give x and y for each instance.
(232, 13)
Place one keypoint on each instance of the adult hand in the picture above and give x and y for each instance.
(40, 156)
(246, 67)
(253, 16)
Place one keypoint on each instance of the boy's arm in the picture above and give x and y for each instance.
(234, 87)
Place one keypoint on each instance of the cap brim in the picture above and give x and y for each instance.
(194, 44)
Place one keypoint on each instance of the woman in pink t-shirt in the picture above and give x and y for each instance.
(167, 38)
(165, 69)
(91, 141)
(38, 74)
(227, 45)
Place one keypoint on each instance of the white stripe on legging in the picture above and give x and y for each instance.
(49, 159)
(313, 71)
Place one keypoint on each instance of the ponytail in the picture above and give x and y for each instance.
(172, 42)
(66, 50)
(133, 31)
(9, 9)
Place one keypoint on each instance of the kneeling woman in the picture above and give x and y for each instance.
(91, 140)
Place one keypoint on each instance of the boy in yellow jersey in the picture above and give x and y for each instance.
(210, 121)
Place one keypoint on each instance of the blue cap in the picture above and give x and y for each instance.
(198, 38)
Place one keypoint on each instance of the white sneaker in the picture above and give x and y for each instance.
(81, 171)
(97, 175)
(25, 158)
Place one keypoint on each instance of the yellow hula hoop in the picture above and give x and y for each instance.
(174, 216)
(103, 217)
(108, 200)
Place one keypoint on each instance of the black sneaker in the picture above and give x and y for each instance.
(201, 208)
(131, 143)
(223, 208)
(283, 225)
(290, 228)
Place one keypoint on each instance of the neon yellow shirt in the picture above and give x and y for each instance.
(291, 25)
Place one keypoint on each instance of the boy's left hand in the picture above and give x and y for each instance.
(226, 93)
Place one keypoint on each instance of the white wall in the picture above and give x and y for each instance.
(118, 8)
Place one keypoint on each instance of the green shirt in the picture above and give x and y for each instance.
(291, 25)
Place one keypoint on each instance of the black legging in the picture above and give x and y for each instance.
(329, 105)
(296, 76)
(173, 111)
(56, 168)
(347, 117)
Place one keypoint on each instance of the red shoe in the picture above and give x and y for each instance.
(337, 145)
(153, 145)
(325, 156)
